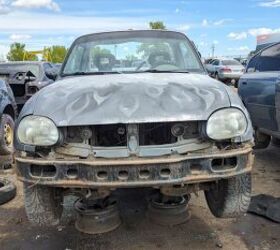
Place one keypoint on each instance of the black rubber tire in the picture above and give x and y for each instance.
(43, 205)
(275, 141)
(230, 198)
(7, 190)
(4, 148)
(261, 140)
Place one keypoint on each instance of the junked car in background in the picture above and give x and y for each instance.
(161, 122)
(26, 78)
(259, 89)
(226, 70)
(207, 63)
(8, 114)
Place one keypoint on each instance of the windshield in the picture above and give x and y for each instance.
(134, 53)
(230, 62)
(6, 68)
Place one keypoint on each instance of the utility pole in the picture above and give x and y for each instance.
(213, 49)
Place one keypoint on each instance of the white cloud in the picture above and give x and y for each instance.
(270, 4)
(3, 52)
(4, 8)
(221, 22)
(240, 49)
(177, 10)
(262, 31)
(204, 22)
(184, 27)
(253, 32)
(24, 22)
(36, 4)
(203, 44)
(215, 42)
(19, 37)
(237, 36)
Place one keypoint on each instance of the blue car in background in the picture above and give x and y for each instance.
(259, 89)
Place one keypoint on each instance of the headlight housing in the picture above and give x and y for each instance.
(37, 131)
(226, 123)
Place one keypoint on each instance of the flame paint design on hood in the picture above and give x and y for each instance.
(131, 98)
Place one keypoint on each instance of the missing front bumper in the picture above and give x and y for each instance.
(135, 172)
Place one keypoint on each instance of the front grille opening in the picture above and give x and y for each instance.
(224, 163)
(165, 172)
(102, 175)
(144, 174)
(18, 89)
(72, 173)
(46, 171)
(116, 135)
(155, 134)
(110, 135)
(123, 175)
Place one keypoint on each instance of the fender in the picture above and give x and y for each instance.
(6, 98)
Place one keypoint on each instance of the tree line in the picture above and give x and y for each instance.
(18, 52)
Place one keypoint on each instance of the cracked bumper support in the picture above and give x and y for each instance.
(149, 172)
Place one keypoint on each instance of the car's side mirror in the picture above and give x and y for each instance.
(51, 73)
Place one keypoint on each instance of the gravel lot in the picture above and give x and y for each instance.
(203, 231)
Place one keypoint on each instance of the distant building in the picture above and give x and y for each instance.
(266, 40)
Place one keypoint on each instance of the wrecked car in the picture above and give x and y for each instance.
(259, 89)
(161, 123)
(26, 78)
(8, 113)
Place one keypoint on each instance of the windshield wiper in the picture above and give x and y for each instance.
(163, 71)
(83, 73)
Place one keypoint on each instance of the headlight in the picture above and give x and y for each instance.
(38, 131)
(226, 123)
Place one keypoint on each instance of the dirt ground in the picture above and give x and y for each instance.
(203, 231)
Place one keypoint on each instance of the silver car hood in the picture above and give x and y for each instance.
(131, 98)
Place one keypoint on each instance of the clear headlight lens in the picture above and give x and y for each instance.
(226, 123)
(38, 131)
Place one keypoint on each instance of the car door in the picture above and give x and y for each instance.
(258, 90)
(215, 66)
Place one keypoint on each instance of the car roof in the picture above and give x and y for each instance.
(106, 33)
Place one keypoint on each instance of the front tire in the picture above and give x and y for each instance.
(275, 141)
(230, 198)
(6, 134)
(261, 140)
(43, 205)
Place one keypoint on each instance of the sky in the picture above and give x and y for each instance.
(230, 25)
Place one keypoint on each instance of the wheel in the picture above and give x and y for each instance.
(6, 134)
(275, 141)
(43, 205)
(230, 198)
(7, 190)
(261, 140)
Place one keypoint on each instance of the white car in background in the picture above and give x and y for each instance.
(226, 70)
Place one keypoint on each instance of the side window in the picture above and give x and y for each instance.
(252, 65)
(270, 59)
(268, 63)
(216, 62)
